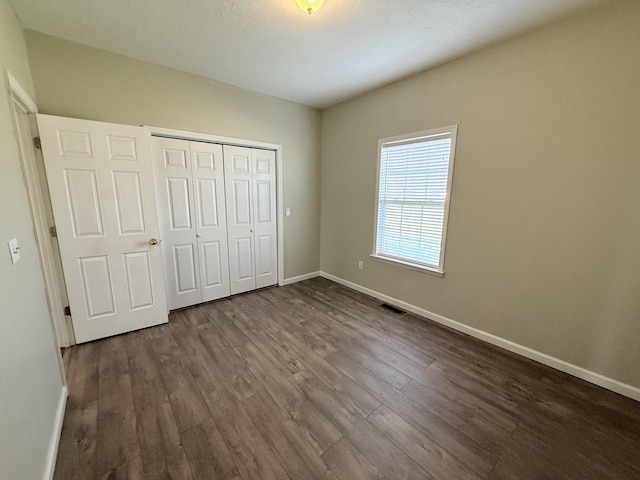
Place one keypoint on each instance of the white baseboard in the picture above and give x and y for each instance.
(52, 455)
(566, 367)
(300, 278)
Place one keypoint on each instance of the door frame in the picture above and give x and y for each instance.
(51, 273)
(240, 142)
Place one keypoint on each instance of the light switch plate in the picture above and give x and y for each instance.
(288, 212)
(14, 249)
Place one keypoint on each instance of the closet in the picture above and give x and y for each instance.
(217, 209)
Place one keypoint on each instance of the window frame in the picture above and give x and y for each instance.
(415, 137)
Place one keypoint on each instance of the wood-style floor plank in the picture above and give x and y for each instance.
(296, 455)
(208, 454)
(350, 391)
(77, 452)
(130, 469)
(234, 367)
(82, 373)
(317, 381)
(386, 456)
(142, 366)
(118, 442)
(427, 452)
(252, 455)
(160, 441)
(348, 463)
(185, 399)
(488, 426)
(304, 414)
(340, 412)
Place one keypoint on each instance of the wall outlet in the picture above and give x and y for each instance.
(360, 264)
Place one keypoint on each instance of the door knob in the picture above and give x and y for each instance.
(153, 241)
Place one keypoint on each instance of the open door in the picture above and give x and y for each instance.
(101, 182)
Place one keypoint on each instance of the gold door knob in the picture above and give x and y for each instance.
(153, 241)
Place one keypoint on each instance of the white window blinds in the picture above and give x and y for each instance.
(413, 193)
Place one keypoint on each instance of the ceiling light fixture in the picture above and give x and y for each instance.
(310, 6)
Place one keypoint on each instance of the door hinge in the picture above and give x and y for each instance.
(53, 231)
(37, 143)
(67, 311)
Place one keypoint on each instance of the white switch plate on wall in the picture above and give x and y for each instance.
(14, 249)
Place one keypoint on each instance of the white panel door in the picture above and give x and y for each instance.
(240, 205)
(211, 219)
(250, 180)
(264, 218)
(178, 221)
(101, 183)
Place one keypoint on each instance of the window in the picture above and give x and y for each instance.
(414, 185)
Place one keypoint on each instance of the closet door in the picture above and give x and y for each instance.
(251, 217)
(264, 218)
(239, 194)
(177, 221)
(211, 219)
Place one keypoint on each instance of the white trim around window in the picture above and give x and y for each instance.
(413, 193)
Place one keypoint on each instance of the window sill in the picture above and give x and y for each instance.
(412, 266)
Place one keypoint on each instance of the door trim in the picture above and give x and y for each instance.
(51, 273)
(240, 142)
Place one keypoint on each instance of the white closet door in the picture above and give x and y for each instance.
(100, 178)
(264, 218)
(240, 205)
(178, 222)
(250, 182)
(211, 219)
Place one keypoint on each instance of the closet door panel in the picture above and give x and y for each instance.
(177, 191)
(244, 257)
(178, 221)
(264, 256)
(241, 202)
(240, 206)
(207, 203)
(184, 265)
(264, 213)
(265, 226)
(209, 181)
(212, 265)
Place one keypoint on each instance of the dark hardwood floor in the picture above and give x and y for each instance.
(314, 380)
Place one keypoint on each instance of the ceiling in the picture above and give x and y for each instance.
(272, 47)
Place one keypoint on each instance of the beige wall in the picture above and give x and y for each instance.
(30, 380)
(83, 82)
(544, 229)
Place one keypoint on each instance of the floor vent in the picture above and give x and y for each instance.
(391, 308)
